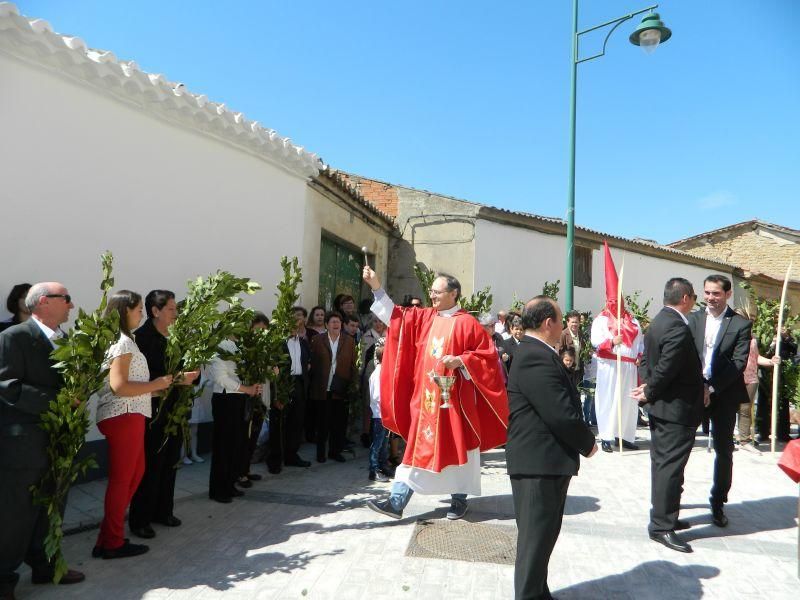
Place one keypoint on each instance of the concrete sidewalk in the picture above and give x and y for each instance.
(306, 534)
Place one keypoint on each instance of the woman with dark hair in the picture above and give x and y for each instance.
(316, 322)
(344, 304)
(154, 499)
(123, 405)
(15, 303)
(333, 367)
(228, 403)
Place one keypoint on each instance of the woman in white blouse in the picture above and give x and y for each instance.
(228, 409)
(123, 405)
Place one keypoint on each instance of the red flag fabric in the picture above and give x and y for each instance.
(790, 460)
(628, 330)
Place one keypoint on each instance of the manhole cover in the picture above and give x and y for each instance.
(462, 540)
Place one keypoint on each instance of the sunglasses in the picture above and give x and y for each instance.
(67, 298)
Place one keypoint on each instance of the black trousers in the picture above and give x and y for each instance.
(723, 419)
(331, 425)
(764, 412)
(253, 427)
(670, 447)
(23, 526)
(227, 443)
(310, 420)
(287, 427)
(539, 509)
(154, 499)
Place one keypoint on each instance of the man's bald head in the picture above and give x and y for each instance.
(50, 302)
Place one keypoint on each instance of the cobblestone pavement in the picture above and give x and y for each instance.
(306, 534)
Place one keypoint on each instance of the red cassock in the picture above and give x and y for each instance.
(410, 401)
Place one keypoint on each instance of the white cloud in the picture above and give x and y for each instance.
(716, 200)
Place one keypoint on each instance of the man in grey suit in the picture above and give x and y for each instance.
(546, 433)
(28, 383)
(722, 339)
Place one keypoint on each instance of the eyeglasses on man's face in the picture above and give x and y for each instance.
(67, 298)
(434, 292)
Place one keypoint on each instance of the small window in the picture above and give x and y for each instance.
(583, 267)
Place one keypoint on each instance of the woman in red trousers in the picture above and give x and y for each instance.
(123, 405)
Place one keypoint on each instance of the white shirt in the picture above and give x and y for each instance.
(375, 392)
(334, 348)
(710, 339)
(499, 328)
(223, 372)
(110, 405)
(50, 334)
(296, 355)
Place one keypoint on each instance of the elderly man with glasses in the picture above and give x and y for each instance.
(28, 383)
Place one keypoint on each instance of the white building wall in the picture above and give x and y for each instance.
(83, 172)
(517, 260)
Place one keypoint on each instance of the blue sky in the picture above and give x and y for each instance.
(470, 98)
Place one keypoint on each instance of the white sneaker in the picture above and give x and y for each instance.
(187, 460)
(198, 458)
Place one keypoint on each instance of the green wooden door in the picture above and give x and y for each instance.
(340, 269)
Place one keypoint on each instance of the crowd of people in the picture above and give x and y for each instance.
(339, 398)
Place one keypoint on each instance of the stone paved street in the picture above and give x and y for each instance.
(307, 534)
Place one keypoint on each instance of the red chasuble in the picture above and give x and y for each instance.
(410, 401)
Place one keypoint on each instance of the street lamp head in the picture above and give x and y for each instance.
(650, 33)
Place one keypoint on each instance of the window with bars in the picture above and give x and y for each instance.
(582, 271)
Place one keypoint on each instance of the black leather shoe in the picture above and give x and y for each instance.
(378, 476)
(606, 446)
(67, 578)
(170, 521)
(718, 516)
(298, 463)
(388, 471)
(671, 540)
(236, 493)
(245, 483)
(222, 499)
(680, 525)
(127, 549)
(337, 458)
(626, 445)
(254, 477)
(145, 532)
(385, 508)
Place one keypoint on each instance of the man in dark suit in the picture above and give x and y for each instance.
(546, 432)
(28, 383)
(722, 339)
(333, 368)
(673, 388)
(286, 422)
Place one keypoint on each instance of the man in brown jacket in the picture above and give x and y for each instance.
(333, 368)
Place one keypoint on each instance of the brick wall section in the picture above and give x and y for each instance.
(382, 195)
(758, 250)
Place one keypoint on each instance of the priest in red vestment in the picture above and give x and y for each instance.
(443, 445)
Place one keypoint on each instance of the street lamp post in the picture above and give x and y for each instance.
(648, 35)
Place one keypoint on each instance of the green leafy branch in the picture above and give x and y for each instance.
(197, 333)
(633, 303)
(80, 357)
